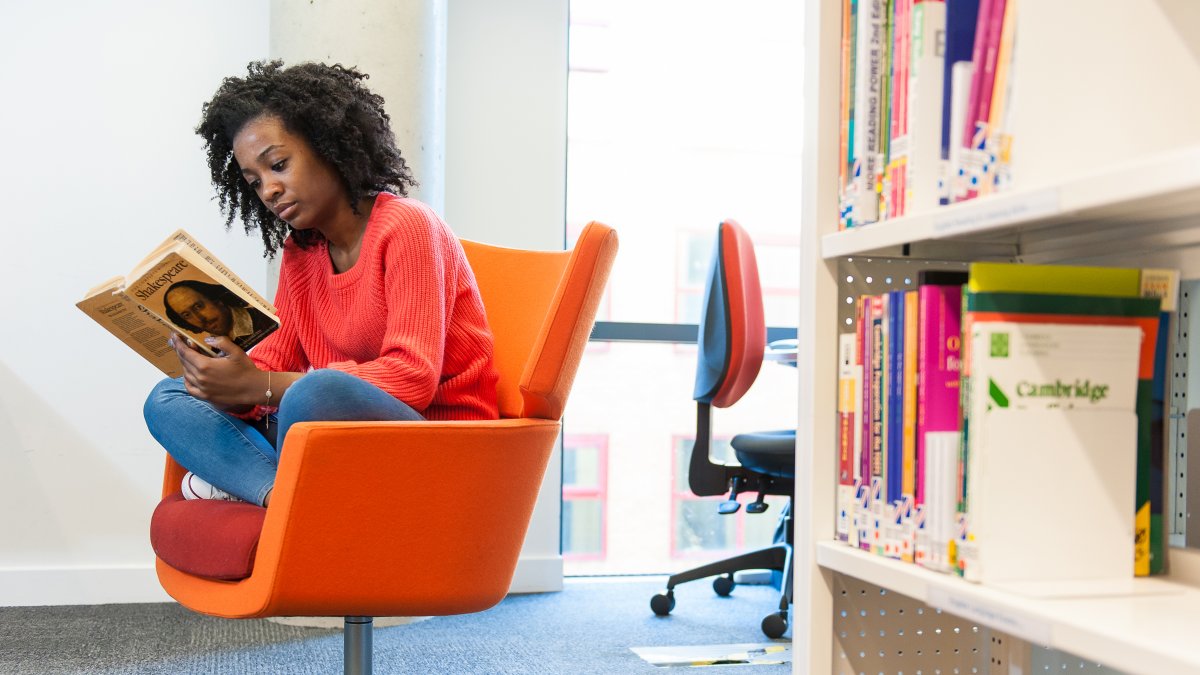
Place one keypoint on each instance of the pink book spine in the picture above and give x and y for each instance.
(864, 359)
(991, 47)
(977, 56)
(939, 362)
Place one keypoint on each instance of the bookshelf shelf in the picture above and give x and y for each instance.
(1144, 205)
(1149, 626)
(1103, 174)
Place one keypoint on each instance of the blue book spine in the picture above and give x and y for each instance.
(961, 17)
(895, 396)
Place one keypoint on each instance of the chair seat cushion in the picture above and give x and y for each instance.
(207, 537)
(769, 452)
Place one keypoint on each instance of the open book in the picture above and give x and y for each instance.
(179, 287)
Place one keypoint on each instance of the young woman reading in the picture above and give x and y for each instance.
(381, 316)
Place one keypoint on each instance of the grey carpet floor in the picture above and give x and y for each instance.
(588, 628)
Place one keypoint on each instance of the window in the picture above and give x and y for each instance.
(585, 465)
(680, 114)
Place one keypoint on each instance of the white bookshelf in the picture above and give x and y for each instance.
(1148, 626)
(1134, 200)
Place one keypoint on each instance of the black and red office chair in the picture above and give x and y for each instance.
(731, 341)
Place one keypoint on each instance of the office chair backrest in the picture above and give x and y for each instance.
(541, 306)
(732, 332)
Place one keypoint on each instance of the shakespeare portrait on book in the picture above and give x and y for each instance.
(214, 309)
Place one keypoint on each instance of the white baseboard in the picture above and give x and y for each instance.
(40, 586)
(36, 586)
(538, 575)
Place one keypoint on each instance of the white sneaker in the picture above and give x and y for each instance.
(195, 487)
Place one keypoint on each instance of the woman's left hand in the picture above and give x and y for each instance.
(230, 381)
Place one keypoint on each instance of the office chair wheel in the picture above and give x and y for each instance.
(723, 585)
(663, 603)
(775, 625)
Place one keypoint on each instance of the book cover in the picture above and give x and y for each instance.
(1036, 368)
(178, 288)
(1142, 313)
(868, 88)
(998, 142)
(1059, 279)
(847, 405)
(908, 486)
(954, 185)
(939, 340)
(925, 81)
(895, 397)
(1162, 284)
(977, 134)
(846, 110)
(961, 16)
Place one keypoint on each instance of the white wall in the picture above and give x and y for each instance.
(99, 164)
(506, 135)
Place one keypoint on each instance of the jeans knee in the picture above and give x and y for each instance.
(160, 396)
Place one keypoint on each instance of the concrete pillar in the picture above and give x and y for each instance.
(402, 46)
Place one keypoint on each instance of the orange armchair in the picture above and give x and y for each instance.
(383, 535)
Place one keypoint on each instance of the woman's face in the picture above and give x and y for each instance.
(208, 316)
(287, 174)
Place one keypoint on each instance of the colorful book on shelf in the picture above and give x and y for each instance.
(1079, 309)
(961, 17)
(845, 125)
(955, 187)
(885, 109)
(862, 200)
(939, 315)
(908, 487)
(1039, 375)
(1162, 284)
(862, 325)
(997, 150)
(848, 376)
(924, 111)
(894, 450)
(939, 318)
(898, 133)
(987, 44)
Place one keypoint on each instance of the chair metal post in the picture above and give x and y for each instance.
(357, 645)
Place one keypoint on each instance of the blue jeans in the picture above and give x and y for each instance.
(241, 457)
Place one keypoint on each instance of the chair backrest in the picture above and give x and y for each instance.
(732, 332)
(541, 306)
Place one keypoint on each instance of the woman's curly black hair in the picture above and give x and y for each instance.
(331, 108)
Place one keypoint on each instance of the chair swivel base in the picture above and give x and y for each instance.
(777, 557)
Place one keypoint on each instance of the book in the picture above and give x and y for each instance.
(961, 17)
(179, 287)
(848, 377)
(1162, 284)
(987, 46)
(1043, 383)
(894, 405)
(863, 201)
(924, 111)
(1079, 309)
(997, 148)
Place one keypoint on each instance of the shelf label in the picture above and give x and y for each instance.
(1032, 630)
(997, 210)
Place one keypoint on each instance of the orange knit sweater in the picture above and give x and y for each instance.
(407, 317)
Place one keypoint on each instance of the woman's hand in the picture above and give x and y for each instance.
(228, 382)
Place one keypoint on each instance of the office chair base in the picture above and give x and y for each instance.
(723, 585)
(357, 646)
(663, 603)
(775, 625)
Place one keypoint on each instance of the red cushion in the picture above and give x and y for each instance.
(207, 537)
